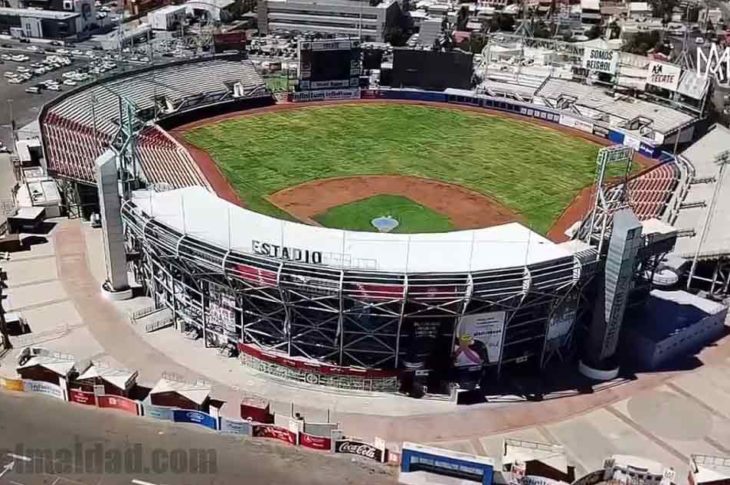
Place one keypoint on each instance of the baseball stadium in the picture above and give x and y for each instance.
(362, 238)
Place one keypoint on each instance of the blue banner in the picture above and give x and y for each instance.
(235, 427)
(194, 417)
(646, 149)
(157, 412)
(616, 137)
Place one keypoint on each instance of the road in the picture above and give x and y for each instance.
(73, 440)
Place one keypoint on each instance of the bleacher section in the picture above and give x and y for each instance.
(707, 224)
(165, 162)
(649, 193)
(79, 127)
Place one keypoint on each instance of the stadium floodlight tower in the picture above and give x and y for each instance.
(116, 177)
(607, 199)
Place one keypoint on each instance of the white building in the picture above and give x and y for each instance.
(357, 18)
(167, 18)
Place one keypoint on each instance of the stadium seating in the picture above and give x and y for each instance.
(78, 128)
(164, 161)
(650, 191)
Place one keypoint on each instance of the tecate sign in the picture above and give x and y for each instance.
(359, 448)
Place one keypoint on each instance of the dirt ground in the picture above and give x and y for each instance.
(466, 209)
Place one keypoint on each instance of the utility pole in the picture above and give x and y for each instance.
(4, 337)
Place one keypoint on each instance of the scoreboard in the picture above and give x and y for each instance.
(329, 64)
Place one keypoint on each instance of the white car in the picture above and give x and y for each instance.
(33, 48)
(53, 87)
(76, 52)
(15, 80)
(5, 57)
(70, 82)
(9, 74)
(19, 58)
(23, 69)
(700, 40)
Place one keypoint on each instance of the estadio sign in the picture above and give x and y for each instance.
(665, 76)
(359, 448)
(600, 60)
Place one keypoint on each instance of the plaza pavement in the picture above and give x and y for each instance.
(662, 416)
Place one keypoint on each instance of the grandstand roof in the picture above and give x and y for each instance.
(174, 82)
(596, 98)
(188, 211)
(702, 155)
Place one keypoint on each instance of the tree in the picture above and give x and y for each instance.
(594, 32)
(501, 23)
(462, 18)
(540, 30)
(663, 9)
(477, 42)
(395, 36)
(642, 42)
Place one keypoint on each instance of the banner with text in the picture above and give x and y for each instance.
(600, 60)
(157, 412)
(274, 432)
(235, 427)
(359, 448)
(41, 387)
(12, 384)
(665, 76)
(194, 417)
(80, 397)
(482, 333)
(118, 402)
(315, 442)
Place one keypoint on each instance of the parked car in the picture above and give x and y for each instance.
(33, 90)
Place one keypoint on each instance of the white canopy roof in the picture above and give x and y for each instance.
(57, 363)
(118, 377)
(202, 215)
(197, 393)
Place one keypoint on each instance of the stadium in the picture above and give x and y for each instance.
(352, 309)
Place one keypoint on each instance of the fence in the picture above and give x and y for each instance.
(326, 437)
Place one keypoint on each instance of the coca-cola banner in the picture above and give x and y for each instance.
(359, 448)
(81, 397)
(315, 442)
(274, 432)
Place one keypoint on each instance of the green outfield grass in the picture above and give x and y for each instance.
(412, 217)
(533, 170)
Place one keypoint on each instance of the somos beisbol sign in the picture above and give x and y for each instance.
(600, 60)
(359, 448)
(286, 253)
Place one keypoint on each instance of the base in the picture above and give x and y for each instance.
(597, 374)
(115, 295)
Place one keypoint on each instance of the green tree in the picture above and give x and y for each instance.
(663, 9)
(594, 32)
(642, 42)
(462, 18)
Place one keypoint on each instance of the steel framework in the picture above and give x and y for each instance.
(351, 318)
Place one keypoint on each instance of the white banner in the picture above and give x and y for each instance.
(481, 329)
(632, 142)
(41, 387)
(665, 76)
(576, 123)
(600, 60)
(562, 320)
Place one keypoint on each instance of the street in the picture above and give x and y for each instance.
(73, 444)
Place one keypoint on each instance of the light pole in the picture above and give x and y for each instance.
(12, 119)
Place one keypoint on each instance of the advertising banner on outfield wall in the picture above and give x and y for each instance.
(479, 335)
(235, 427)
(194, 417)
(157, 412)
(41, 387)
(600, 60)
(665, 76)
(80, 397)
(274, 432)
(315, 442)
(571, 122)
(118, 402)
(359, 448)
(12, 384)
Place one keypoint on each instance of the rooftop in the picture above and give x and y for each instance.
(38, 14)
(197, 393)
(188, 211)
(120, 378)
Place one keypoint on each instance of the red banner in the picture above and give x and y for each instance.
(81, 397)
(116, 402)
(315, 442)
(274, 432)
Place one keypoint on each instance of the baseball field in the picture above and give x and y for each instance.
(530, 170)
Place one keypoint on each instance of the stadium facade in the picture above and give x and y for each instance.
(337, 308)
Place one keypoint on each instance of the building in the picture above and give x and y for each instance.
(672, 325)
(356, 18)
(116, 382)
(183, 395)
(709, 470)
(590, 12)
(167, 18)
(639, 10)
(47, 24)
